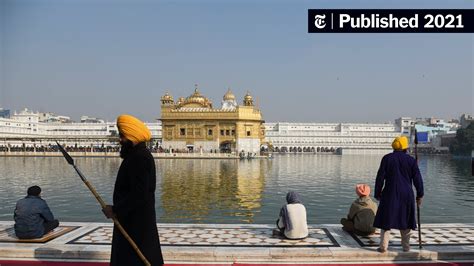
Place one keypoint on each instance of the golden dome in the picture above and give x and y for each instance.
(196, 96)
(248, 100)
(229, 96)
(167, 97)
(248, 97)
(181, 100)
(197, 99)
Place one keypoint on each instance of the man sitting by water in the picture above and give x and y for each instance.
(33, 218)
(292, 221)
(361, 215)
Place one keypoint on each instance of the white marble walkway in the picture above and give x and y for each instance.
(222, 243)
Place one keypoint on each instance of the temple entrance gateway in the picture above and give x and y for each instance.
(226, 147)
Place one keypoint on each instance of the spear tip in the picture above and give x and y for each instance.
(65, 154)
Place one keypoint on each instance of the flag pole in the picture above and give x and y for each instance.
(417, 205)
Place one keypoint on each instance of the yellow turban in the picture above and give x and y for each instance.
(133, 129)
(400, 143)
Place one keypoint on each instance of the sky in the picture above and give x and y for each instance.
(104, 58)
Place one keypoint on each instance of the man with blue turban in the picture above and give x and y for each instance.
(134, 197)
(397, 174)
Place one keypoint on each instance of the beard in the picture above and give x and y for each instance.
(127, 147)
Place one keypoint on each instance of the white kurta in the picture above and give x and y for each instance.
(297, 215)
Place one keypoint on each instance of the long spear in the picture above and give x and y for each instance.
(102, 204)
(417, 205)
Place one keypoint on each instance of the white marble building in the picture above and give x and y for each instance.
(330, 137)
(25, 128)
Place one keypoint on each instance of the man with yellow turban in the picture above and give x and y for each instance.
(134, 197)
(397, 174)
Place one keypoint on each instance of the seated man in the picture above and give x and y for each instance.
(33, 218)
(292, 221)
(361, 215)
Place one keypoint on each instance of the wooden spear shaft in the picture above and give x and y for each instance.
(103, 205)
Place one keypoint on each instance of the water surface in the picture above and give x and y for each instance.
(235, 191)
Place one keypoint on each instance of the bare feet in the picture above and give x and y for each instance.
(381, 250)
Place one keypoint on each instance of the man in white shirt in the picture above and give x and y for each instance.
(292, 221)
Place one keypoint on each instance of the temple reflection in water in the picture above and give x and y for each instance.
(201, 188)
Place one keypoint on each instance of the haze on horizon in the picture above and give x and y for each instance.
(104, 58)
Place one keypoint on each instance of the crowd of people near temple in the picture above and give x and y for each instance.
(134, 202)
(54, 148)
(101, 148)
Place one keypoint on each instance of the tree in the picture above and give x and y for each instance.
(464, 141)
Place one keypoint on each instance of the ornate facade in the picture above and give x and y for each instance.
(193, 124)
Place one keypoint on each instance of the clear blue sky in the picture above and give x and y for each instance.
(104, 58)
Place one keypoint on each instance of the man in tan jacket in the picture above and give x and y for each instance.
(361, 215)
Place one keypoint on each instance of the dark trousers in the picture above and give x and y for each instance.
(348, 226)
(49, 226)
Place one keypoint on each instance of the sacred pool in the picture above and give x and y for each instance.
(235, 191)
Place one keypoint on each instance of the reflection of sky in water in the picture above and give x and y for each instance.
(234, 191)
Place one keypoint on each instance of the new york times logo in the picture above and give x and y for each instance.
(390, 20)
(319, 21)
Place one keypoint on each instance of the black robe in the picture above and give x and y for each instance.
(134, 205)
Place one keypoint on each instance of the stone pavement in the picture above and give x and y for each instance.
(238, 243)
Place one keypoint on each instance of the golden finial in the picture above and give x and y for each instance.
(248, 100)
(229, 95)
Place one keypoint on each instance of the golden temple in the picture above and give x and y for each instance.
(193, 124)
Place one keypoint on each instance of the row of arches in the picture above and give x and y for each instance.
(285, 149)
